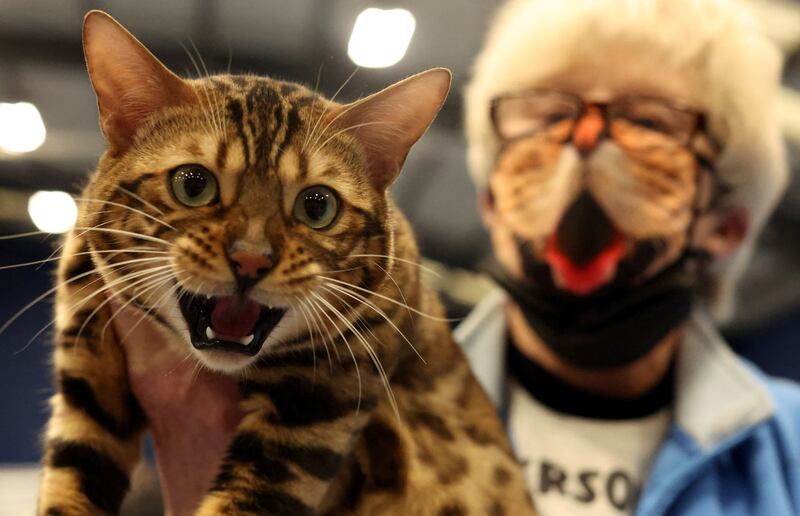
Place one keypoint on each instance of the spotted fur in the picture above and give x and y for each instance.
(323, 433)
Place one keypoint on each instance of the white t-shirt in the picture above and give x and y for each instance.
(580, 466)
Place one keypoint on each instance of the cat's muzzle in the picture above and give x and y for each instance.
(231, 323)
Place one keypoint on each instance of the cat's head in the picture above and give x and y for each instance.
(238, 202)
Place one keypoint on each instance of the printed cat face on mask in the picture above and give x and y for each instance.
(590, 192)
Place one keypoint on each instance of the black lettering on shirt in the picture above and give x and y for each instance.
(587, 493)
(620, 490)
(551, 476)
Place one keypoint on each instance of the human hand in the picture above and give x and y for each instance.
(193, 413)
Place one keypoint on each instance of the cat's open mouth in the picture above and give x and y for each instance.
(230, 323)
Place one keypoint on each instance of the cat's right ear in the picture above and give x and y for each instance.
(130, 83)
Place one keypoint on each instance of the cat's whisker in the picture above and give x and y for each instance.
(147, 308)
(116, 268)
(72, 311)
(333, 120)
(132, 234)
(56, 258)
(340, 131)
(47, 233)
(143, 284)
(353, 311)
(150, 309)
(26, 235)
(319, 312)
(297, 307)
(313, 106)
(118, 293)
(217, 109)
(151, 289)
(359, 320)
(120, 205)
(198, 368)
(398, 259)
(344, 339)
(113, 265)
(329, 104)
(110, 285)
(211, 120)
(179, 363)
(399, 291)
(370, 351)
(316, 324)
(46, 294)
(61, 247)
(74, 308)
(139, 198)
(375, 308)
(389, 299)
(349, 269)
(102, 333)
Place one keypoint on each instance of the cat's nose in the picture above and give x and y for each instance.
(249, 267)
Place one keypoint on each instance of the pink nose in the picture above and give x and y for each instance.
(252, 266)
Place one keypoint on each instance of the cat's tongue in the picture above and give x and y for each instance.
(234, 317)
(584, 278)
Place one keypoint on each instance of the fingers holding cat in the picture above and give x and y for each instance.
(193, 412)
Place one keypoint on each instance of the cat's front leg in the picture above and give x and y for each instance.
(93, 437)
(290, 445)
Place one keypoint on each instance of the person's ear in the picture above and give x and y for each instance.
(130, 83)
(720, 234)
(486, 206)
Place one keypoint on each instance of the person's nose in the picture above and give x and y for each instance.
(589, 130)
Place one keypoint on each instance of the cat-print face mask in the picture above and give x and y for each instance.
(597, 194)
(594, 206)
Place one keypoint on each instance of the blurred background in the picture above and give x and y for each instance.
(49, 141)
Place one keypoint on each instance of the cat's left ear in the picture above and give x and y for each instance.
(130, 83)
(389, 122)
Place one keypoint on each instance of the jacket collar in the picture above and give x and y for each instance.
(716, 395)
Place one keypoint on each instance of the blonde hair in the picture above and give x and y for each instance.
(715, 45)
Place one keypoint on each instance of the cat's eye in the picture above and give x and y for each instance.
(193, 185)
(317, 207)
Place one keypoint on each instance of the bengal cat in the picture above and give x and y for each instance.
(249, 218)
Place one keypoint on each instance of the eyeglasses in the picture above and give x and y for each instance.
(634, 122)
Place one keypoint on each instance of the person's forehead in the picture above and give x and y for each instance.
(612, 76)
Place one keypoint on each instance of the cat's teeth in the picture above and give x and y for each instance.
(210, 333)
(244, 341)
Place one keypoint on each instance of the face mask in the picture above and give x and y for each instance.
(610, 329)
(591, 321)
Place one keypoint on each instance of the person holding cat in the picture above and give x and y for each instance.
(626, 156)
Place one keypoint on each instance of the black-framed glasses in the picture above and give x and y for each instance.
(632, 121)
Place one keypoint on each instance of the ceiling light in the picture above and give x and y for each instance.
(54, 212)
(21, 127)
(380, 37)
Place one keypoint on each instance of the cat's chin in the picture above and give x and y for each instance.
(224, 361)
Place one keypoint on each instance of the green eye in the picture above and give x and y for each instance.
(193, 185)
(316, 207)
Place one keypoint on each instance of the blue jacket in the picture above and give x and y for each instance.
(734, 444)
